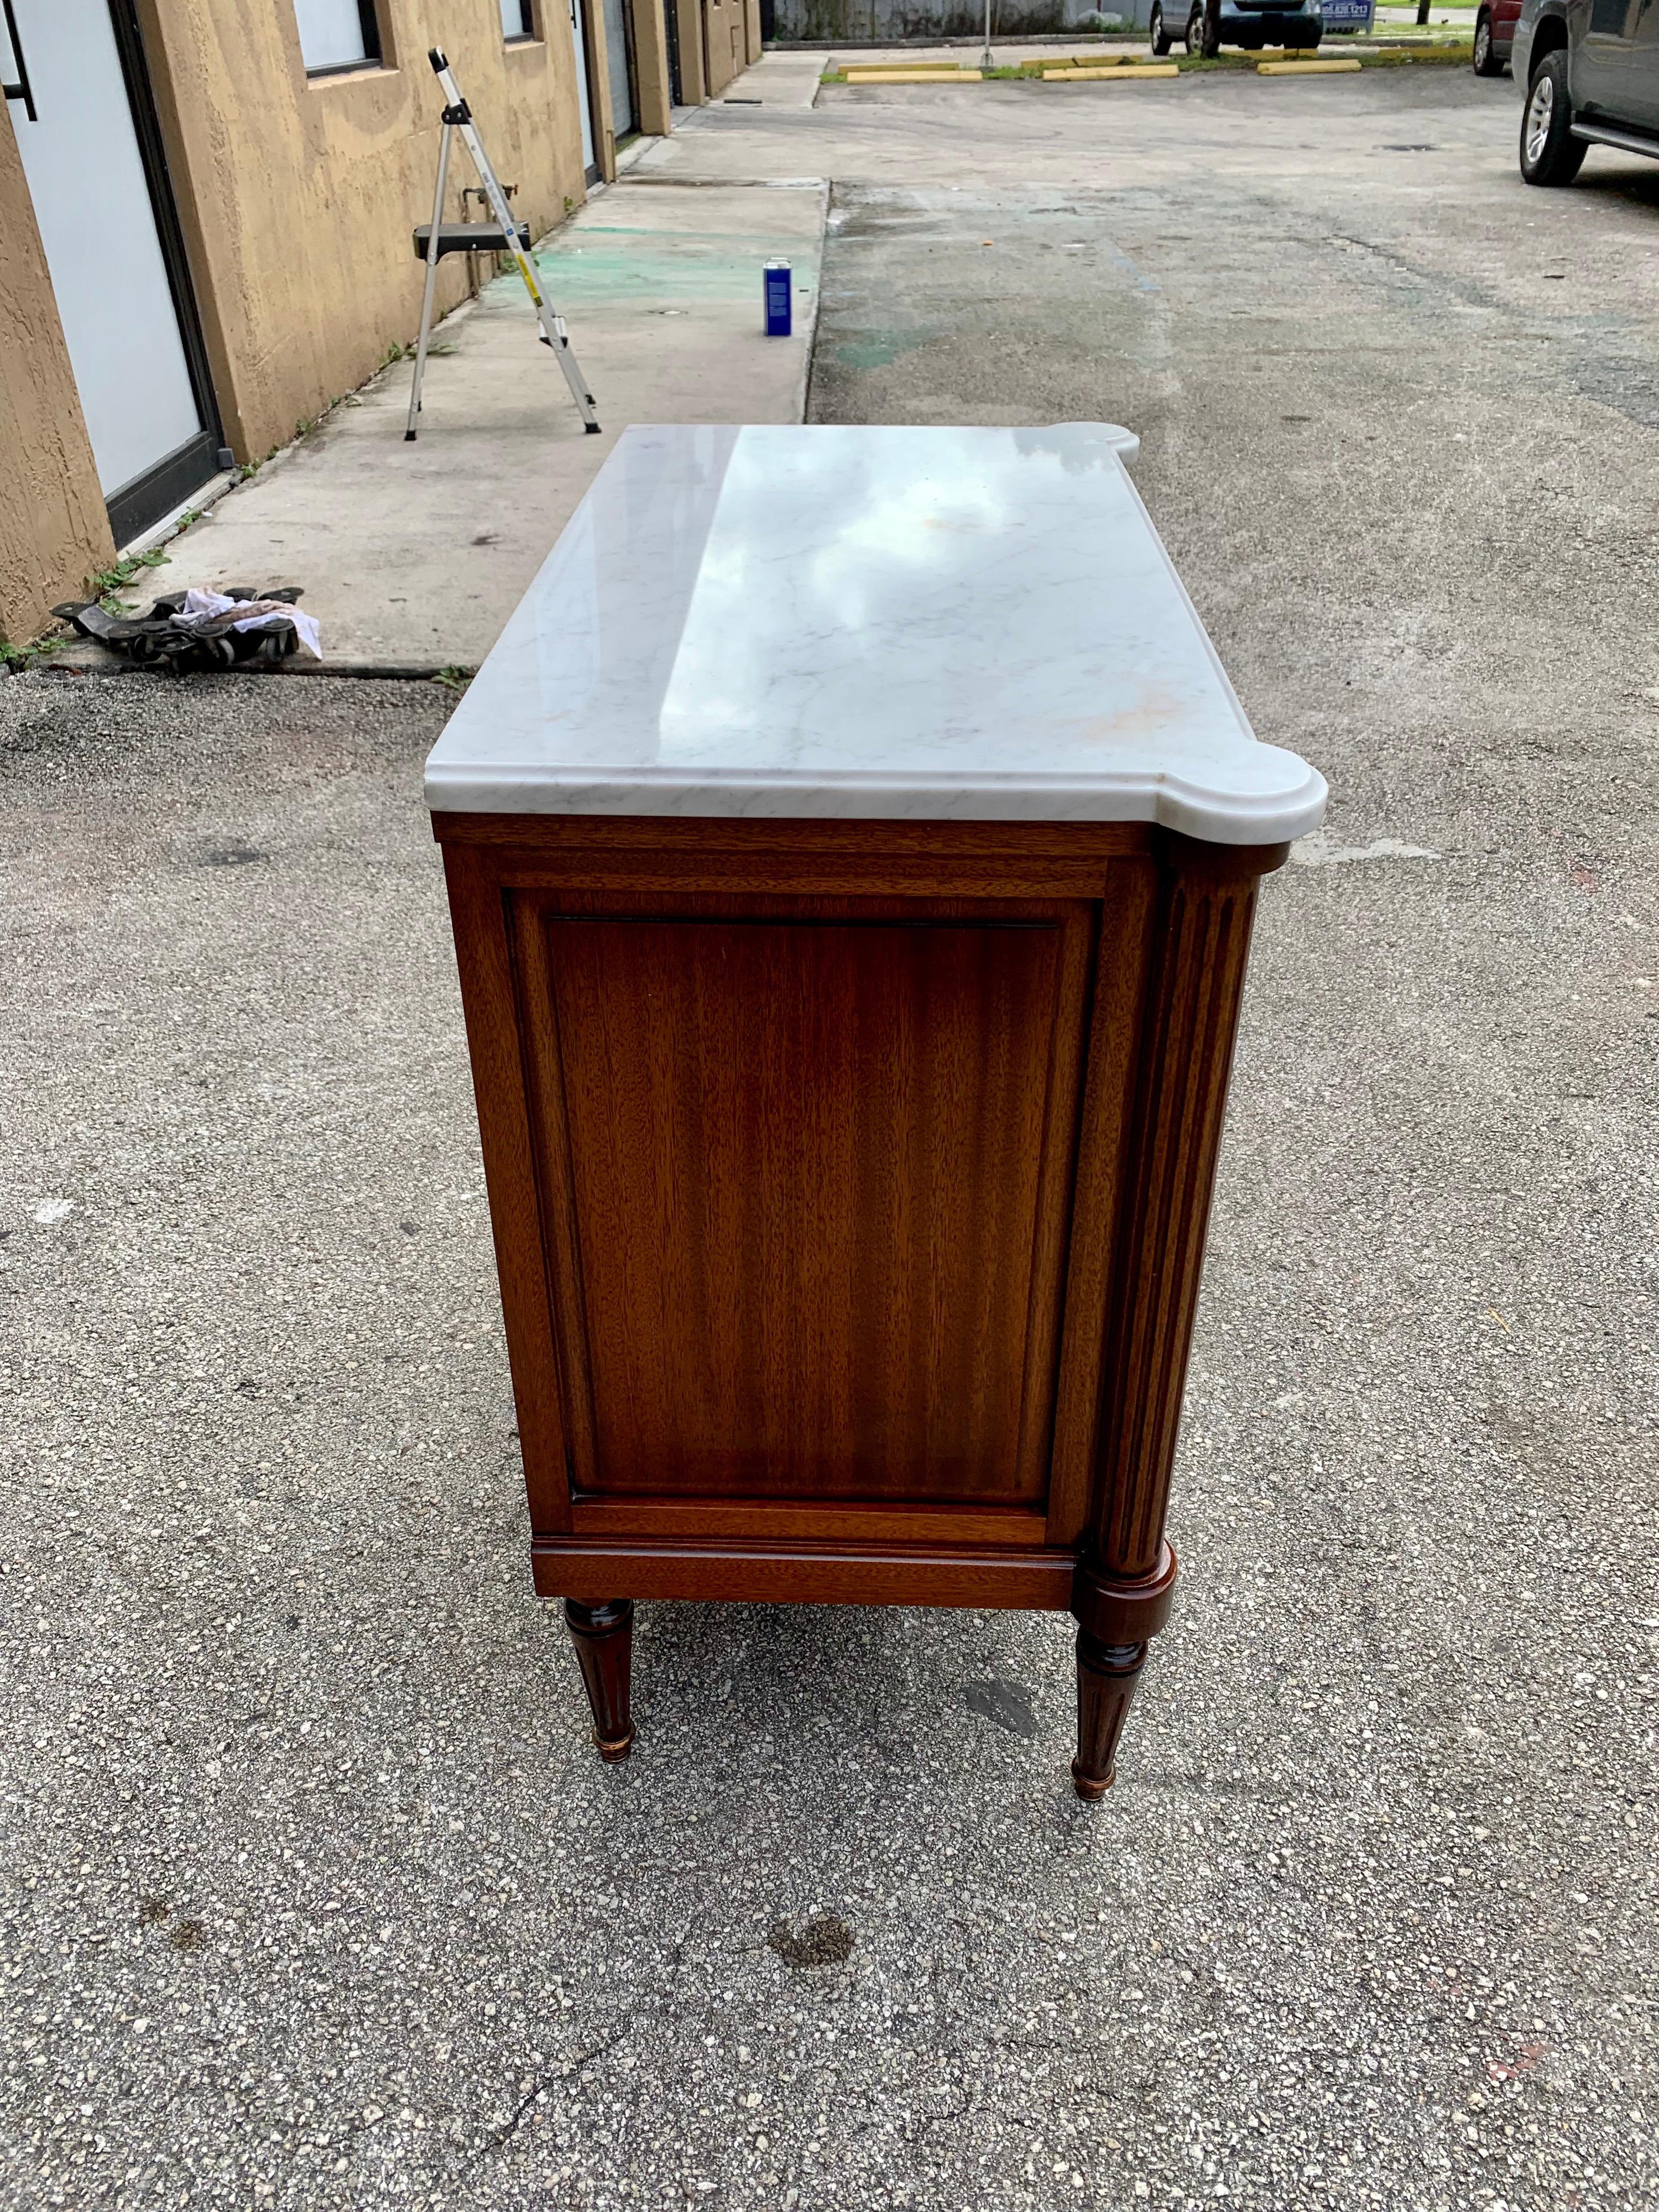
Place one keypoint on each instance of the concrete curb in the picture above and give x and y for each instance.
(803, 382)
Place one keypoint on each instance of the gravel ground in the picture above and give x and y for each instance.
(311, 1893)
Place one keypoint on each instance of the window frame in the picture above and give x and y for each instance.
(531, 34)
(374, 54)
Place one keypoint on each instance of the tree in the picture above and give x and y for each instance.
(1212, 46)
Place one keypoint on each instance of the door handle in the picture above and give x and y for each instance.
(21, 89)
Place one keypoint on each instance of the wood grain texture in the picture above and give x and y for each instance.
(849, 1184)
(729, 1520)
(1122, 965)
(603, 1635)
(1201, 937)
(866, 860)
(1107, 1677)
(1114, 1611)
(483, 958)
(818, 1574)
(807, 1182)
(641, 841)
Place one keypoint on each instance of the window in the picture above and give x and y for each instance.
(337, 34)
(517, 19)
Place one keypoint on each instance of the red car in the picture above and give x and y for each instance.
(1494, 36)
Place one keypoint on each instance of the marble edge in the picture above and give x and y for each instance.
(1190, 810)
(1212, 813)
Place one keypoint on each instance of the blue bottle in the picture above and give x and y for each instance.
(777, 300)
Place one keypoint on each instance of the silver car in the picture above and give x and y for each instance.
(1591, 72)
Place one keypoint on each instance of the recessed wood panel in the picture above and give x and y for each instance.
(805, 1182)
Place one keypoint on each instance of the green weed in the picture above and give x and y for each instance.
(106, 584)
(20, 658)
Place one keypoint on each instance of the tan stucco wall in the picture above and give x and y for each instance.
(651, 67)
(53, 528)
(725, 42)
(693, 81)
(297, 196)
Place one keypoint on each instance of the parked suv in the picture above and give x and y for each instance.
(1251, 24)
(1494, 36)
(1591, 70)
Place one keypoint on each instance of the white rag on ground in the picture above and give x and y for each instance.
(256, 614)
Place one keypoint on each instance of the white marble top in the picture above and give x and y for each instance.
(965, 624)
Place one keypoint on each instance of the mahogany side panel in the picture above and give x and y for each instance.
(806, 1179)
(1201, 938)
(483, 957)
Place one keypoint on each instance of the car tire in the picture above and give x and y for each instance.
(1161, 38)
(1550, 154)
(1484, 56)
(1193, 37)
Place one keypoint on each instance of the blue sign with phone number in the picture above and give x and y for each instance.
(1348, 15)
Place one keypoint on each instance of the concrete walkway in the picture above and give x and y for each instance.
(776, 81)
(412, 557)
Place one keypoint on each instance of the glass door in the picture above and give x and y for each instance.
(92, 155)
(584, 91)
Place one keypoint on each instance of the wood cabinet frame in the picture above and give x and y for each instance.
(1147, 936)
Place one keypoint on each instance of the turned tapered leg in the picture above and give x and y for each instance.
(1106, 1678)
(1115, 1619)
(604, 1637)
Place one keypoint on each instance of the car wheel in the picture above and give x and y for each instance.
(1193, 37)
(1161, 40)
(1550, 154)
(1485, 56)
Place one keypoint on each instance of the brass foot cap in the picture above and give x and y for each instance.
(1089, 1787)
(616, 1749)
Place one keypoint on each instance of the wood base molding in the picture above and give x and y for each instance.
(765, 1575)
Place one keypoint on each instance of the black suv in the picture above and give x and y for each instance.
(1591, 70)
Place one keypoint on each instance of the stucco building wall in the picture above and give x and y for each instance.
(656, 102)
(298, 195)
(694, 81)
(53, 528)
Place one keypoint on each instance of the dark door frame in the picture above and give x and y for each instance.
(630, 61)
(581, 24)
(671, 23)
(134, 506)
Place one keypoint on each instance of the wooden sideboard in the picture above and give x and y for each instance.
(848, 1177)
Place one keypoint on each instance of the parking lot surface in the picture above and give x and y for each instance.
(312, 1892)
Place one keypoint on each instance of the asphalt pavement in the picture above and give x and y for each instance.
(312, 1894)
